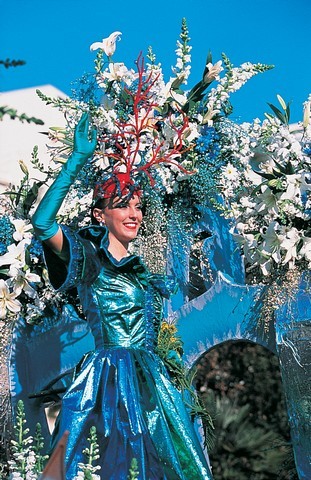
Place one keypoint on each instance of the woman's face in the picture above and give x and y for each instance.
(122, 218)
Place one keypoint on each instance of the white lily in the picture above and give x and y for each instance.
(296, 184)
(305, 251)
(267, 202)
(108, 45)
(289, 244)
(272, 242)
(22, 230)
(8, 300)
(118, 71)
(266, 266)
(15, 256)
(22, 280)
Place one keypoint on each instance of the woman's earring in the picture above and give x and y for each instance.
(102, 223)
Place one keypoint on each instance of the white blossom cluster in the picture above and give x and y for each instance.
(85, 473)
(164, 130)
(231, 82)
(269, 192)
(28, 458)
(23, 465)
(160, 129)
(25, 290)
(20, 277)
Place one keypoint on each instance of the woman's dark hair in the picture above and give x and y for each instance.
(101, 204)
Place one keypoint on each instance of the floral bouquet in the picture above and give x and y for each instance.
(179, 144)
(24, 286)
(267, 187)
(166, 134)
(173, 139)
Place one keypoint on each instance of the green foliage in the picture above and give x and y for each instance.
(38, 447)
(243, 450)
(169, 348)
(240, 384)
(22, 117)
(24, 195)
(57, 102)
(91, 454)
(99, 61)
(283, 115)
(12, 112)
(27, 459)
(151, 55)
(12, 63)
(134, 472)
(22, 440)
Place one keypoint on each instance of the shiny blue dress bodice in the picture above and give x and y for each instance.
(122, 387)
(122, 302)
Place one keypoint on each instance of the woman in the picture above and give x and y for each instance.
(122, 388)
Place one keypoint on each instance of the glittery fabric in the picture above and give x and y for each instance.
(122, 388)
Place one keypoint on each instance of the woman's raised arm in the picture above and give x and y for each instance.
(44, 219)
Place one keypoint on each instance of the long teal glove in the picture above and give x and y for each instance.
(44, 223)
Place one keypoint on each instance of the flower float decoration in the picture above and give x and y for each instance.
(181, 145)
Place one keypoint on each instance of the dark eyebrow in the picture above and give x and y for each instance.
(120, 204)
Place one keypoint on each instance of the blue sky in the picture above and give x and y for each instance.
(54, 39)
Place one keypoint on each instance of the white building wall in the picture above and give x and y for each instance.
(17, 139)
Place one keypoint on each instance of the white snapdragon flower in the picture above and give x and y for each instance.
(108, 45)
(290, 210)
(106, 119)
(16, 476)
(213, 71)
(248, 206)
(306, 113)
(247, 203)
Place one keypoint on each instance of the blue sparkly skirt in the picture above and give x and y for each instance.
(138, 414)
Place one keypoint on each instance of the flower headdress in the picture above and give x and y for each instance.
(153, 133)
(142, 137)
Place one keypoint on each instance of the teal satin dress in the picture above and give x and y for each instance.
(122, 387)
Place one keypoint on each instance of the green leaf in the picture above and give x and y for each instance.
(258, 188)
(195, 88)
(278, 113)
(267, 176)
(288, 112)
(31, 196)
(269, 116)
(177, 82)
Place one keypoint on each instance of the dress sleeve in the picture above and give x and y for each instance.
(83, 263)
